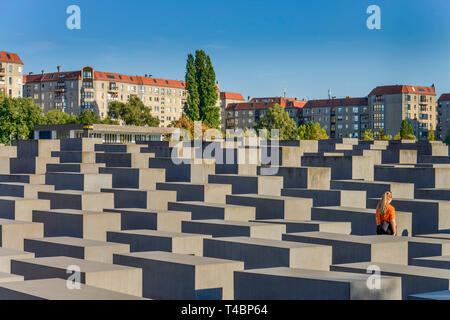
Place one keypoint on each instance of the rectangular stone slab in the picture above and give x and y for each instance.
(143, 199)
(77, 223)
(162, 220)
(20, 208)
(6, 255)
(272, 207)
(206, 210)
(363, 220)
(152, 240)
(172, 276)
(75, 167)
(263, 185)
(376, 189)
(226, 228)
(304, 177)
(6, 278)
(301, 284)
(263, 253)
(428, 216)
(56, 289)
(113, 277)
(138, 178)
(324, 198)
(12, 233)
(78, 200)
(293, 226)
(23, 190)
(351, 248)
(209, 192)
(414, 279)
(92, 250)
(79, 181)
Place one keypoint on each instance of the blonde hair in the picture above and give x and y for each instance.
(383, 204)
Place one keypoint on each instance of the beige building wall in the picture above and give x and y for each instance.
(11, 76)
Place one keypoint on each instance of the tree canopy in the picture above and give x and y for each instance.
(133, 113)
(431, 136)
(18, 116)
(383, 136)
(312, 131)
(368, 135)
(447, 138)
(202, 91)
(277, 118)
(406, 131)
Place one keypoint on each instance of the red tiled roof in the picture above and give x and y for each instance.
(336, 102)
(115, 77)
(284, 102)
(398, 89)
(444, 97)
(10, 57)
(46, 77)
(231, 96)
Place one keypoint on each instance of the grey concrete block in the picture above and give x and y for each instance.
(143, 199)
(351, 248)
(56, 289)
(293, 226)
(135, 219)
(20, 208)
(363, 220)
(263, 185)
(226, 228)
(183, 277)
(304, 177)
(272, 207)
(324, 198)
(23, 190)
(205, 210)
(79, 181)
(75, 167)
(376, 189)
(78, 200)
(6, 255)
(414, 279)
(209, 192)
(425, 177)
(433, 194)
(440, 262)
(91, 250)
(7, 278)
(135, 178)
(36, 165)
(266, 253)
(428, 216)
(300, 284)
(12, 233)
(107, 276)
(77, 223)
(151, 240)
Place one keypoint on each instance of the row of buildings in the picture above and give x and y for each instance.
(88, 89)
(385, 108)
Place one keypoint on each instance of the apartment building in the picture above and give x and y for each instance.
(246, 114)
(11, 78)
(225, 99)
(390, 105)
(341, 118)
(443, 109)
(88, 89)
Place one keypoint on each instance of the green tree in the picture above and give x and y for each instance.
(431, 136)
(202, 90)
(368, 135)
(312, 131)
(18, 116)
(88, 117)
(133, 113)
(191, 107)
(57, 116)
(383, 136)
(406, 131)
(277, 118)
(447, 138)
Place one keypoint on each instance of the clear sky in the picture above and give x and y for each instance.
(257, 47)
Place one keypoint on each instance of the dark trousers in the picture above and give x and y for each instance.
(389, 231)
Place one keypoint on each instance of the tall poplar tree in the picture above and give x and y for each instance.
(191, 107)
(202, 91)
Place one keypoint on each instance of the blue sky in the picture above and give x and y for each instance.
(257, 47)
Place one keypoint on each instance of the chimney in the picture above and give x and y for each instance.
(30, 73)
(249, 98)
(58, 68)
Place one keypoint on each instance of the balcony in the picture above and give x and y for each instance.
(2, 71)
(113, 89)
(60, 88)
